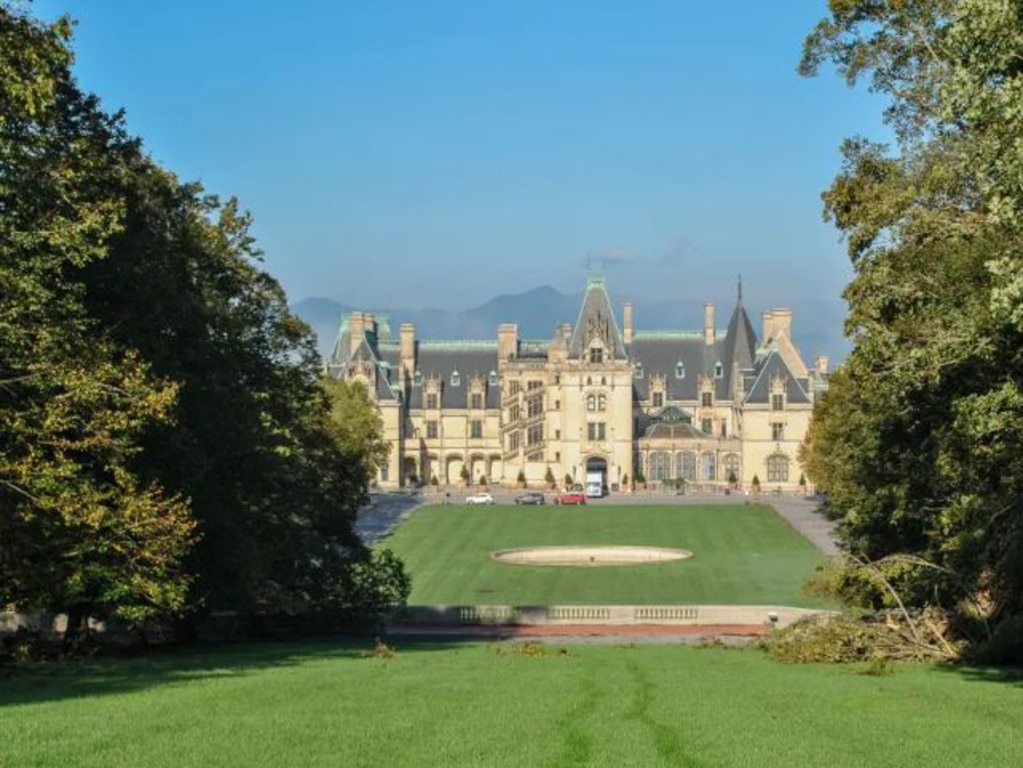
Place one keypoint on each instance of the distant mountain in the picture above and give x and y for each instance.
(817, 323)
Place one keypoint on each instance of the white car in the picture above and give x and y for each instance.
(480, 498)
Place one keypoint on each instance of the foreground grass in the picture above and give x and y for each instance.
(486, 705)
(743, 555)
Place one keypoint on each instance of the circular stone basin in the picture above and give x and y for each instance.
(589, 556)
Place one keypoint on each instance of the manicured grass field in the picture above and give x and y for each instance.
(486, 705)
(744, 555)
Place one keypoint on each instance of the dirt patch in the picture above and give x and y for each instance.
(589, 556)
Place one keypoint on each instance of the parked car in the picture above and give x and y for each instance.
(479, 498)
(570, 497)
(532, 497)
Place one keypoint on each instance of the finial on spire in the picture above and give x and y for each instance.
(740, 289)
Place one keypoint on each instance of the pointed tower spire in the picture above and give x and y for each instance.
(740, 289)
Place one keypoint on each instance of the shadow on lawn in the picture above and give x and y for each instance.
(1012, 676)
(117, 674)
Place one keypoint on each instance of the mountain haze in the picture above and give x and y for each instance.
(816, 323)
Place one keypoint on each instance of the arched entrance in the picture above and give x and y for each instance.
(596, 476)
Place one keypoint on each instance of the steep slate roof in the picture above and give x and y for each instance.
(596, 317)
(469, 358)
(740, 343)
(659, 352)
(759, 389)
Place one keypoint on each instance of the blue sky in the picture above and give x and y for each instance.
(440, 153)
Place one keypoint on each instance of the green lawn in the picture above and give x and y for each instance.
(744, 555)
(469, 705)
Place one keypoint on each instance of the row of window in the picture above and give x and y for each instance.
(456, 378)
(475, 429)
(661, 465)
(680, 370)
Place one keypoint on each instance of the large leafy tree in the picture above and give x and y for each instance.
(78, 531)
(920, 439)
(165, 439)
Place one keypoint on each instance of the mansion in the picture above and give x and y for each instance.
(716, 408)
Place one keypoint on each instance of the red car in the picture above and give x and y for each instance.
(570, 497)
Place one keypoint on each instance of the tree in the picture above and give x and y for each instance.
(79, 531)
(549, 477)
(464, 474)
(360, 427)
(913, 441)
(521, 478)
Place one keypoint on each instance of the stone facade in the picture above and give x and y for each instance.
(715, 408)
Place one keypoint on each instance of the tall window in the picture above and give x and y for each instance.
(514, 413)
(660, 466)
(707, 399)
(658, 399)
(534, 384)
(534, 435)
(777, 430)
(514, 387)
(601, 402)
(476, 428)
(686, 465)
(591, 402)
(732, 466)
(476, 401)
(513, 441)
(707, 426)
(778, 402)
(724, 427)
(596, 355)
(595, 430)
(431, 400)
(534, 406)
(778, 468)
(708, 466)
(431, 430)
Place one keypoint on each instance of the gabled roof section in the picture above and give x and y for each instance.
(468, 359)
(773, 366)
(596, 320)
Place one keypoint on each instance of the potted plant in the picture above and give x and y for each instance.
(549, 478)
(802, 483)
(483, 479)
(568, 481)
(625, 481)
(434, 482)
(640, 478)
(521, 479)
(756, 484)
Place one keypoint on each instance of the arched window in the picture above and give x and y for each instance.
(660, 466)
(601, 402)
(778, 468)
(708, 466)
(456, 378)
(680, 370)
(719, 370)
(493, 378)
(591, 402)
(686, 464)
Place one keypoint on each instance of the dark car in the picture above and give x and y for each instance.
(533, 497)
(571, 497)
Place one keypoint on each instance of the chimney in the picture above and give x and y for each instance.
(782, 322)
(768, 318)
(820, 365)
(507, 341)
(408, 348)
(627, 323)
(356, 329)
(708, 323)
